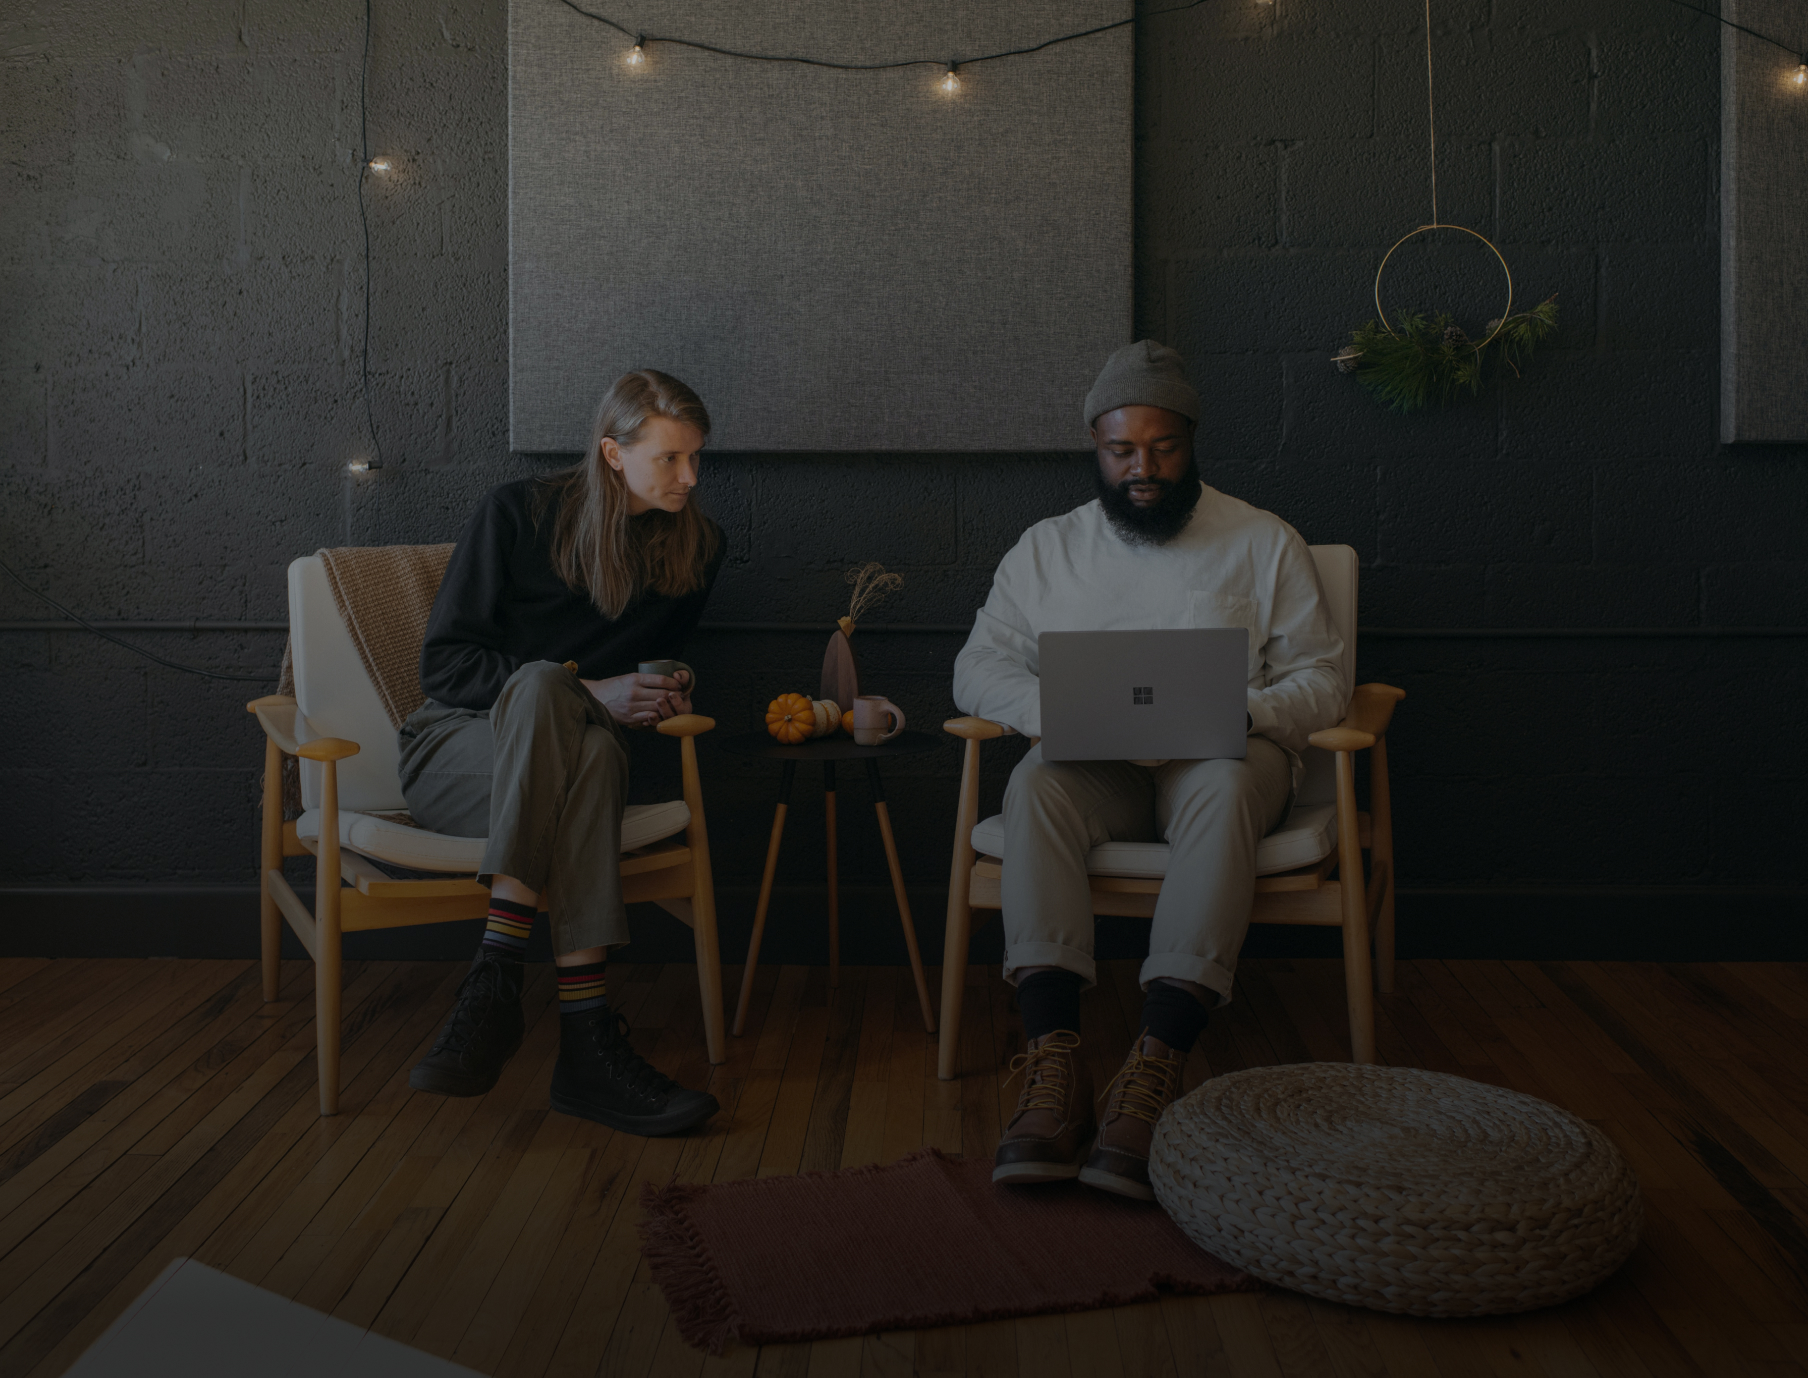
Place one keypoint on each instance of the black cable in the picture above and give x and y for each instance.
(136, 650)
(370, 420)
(642, 38)
(1733, 24)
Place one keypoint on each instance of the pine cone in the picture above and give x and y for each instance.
(1454, 337)
(1347, 358)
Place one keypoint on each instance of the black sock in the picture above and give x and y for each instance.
(582, 990)
(1173, 1015)
(505, 934)
(1049, 1000)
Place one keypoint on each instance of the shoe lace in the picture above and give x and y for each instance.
(613, 1033)
(1047, 1070)
(470, 1006)
(1144, 1086)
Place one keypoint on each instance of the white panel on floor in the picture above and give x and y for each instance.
(197, 1322)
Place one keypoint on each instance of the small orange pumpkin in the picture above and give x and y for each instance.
(791, 718)
(847, 722)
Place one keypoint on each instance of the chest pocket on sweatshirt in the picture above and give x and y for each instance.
(1208, 609)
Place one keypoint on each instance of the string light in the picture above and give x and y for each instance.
(637, 54)
(950, 82)
(360, 465)
(379, 165)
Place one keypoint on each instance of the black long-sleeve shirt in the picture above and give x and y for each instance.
(502, 605)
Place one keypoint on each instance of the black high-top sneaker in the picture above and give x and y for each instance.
(600, 1077)
(480, 1037)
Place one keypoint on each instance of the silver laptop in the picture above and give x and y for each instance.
(1136, 696)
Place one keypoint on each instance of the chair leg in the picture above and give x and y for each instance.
(327, 965)
(1358, 978)
(703, 911)
(327, 993)
(270, 922)
(959, 930)
(765, 900)
(1381, 850)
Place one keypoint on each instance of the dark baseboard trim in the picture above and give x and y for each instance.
(962, 628)
(1525, 922)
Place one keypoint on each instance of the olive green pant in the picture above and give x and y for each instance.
(544, 776)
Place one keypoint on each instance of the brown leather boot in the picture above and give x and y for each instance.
(1143, 1087)
(1047, 1137)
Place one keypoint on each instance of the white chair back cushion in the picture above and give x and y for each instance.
(335, 695)
(1337, 567)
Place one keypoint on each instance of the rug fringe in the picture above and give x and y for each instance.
(700, 1303)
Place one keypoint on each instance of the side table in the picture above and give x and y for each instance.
(826, 752)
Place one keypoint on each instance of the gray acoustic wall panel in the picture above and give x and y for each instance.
(1763, 227)
(834, 260)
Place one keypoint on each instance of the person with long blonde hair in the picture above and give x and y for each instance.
(606, 564)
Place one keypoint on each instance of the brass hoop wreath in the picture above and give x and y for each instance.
(1499, 325)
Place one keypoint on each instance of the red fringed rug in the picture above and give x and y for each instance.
(926, 1241)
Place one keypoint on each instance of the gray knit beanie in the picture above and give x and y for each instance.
(1144, 374)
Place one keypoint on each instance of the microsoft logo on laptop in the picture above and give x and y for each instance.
(1142, 693)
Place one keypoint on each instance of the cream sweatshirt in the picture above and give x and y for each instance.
(1233, 566)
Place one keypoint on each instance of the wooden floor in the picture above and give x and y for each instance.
(155, 1110)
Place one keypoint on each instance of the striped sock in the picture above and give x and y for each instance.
(505, 935)
(582, 989)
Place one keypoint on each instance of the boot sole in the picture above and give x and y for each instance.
(1118, 1186)
(1028, 1173)
(438, 1082)
(647, 1126)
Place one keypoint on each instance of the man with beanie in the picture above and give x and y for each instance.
(1157, 549)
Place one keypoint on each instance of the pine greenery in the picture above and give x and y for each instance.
(1429, 362)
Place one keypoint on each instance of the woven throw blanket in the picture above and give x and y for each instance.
(384, 593)
(925, 1241)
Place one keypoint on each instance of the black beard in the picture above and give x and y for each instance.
(1155, 525)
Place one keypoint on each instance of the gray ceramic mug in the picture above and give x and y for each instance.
(670, 669)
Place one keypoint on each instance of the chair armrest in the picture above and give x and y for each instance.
(686, 725)
(328, 749)
(978, 729)
(1371, 710)
(283, 724)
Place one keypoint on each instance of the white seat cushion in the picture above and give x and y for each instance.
(419, 850)
(1307, 836)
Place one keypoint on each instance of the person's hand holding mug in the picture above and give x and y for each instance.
(658, 690)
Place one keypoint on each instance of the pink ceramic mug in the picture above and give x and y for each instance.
(870, 714)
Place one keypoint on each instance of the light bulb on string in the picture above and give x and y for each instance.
(950, 83)
(361, 465)
(1801, 73)
(378, 165)
(637, 55)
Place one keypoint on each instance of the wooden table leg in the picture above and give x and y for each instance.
(759, 911)
(828, 806)
(897, 889)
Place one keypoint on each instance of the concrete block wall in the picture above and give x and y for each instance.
(180, 326)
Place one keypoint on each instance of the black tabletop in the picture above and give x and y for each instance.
(839, 747)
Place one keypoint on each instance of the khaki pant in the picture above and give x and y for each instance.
(1210, 813)
(544, 776)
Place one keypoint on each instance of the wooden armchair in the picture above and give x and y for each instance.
(1309, 870)
(354, 813)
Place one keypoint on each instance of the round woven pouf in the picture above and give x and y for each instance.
(1396, 1189)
